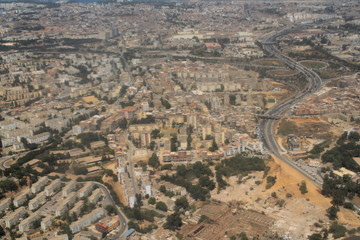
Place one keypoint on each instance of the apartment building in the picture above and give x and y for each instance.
(21, 198)
(13, 218)
(86, 220)
(37, 201)
(36, 187)
(85, 190)
(70, 186)
(27, 223)
(51, 189)
(95, 196)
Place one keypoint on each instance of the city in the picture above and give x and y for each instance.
(179, 120)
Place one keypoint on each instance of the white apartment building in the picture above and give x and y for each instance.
(14, 217)
(46, 223)
(21, 198)
(4, 204)
(95, 196)
(70, 186)
(50, 190)
(37, 201)
(36, 187)
(26, 223)
(86, 190)
(86, 220)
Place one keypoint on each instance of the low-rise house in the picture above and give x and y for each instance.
(107, 226)
(86, 220)
(293, 143)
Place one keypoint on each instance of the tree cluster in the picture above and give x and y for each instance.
(185, 174)
(236, 165)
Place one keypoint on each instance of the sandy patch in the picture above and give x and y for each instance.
(299, 212)
(116, 185)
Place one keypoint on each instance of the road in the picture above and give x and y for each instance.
(130, 169)
(5, 159)
(122, 218)
(267, 125)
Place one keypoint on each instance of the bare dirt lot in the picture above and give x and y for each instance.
(294, 212)
(116, 185)
(269, 62)
(314, 64)
(310, 127)
(281, 73)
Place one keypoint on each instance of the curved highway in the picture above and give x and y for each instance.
(267, 125)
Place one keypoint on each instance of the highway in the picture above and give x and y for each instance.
(267, 125)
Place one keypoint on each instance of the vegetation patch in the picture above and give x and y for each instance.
(314, 64)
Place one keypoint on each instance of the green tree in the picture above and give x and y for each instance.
(173, 144)
(155, 133)
(123, 90)
(332, 212)
(214, 147)
(303, 188)
(110, 209)
(188, 141)
(151, 201)
(165, 103)
(154, 161)
(8, 185)
(198, 193)
(182, 203)
(337, 230)
(80, 169)
(123, 123)
(2, 232)
(161, 206)
(162, 189)
(152, 145)
(205, 181)
(232, 99)
(243, 236)
(173, 222)
(315, 236)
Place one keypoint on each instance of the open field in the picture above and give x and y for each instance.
(314, 64)
(281, 73)
(310, 127)
(116, 185)
(295, 213)
(272, 62)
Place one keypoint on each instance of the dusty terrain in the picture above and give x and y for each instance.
(297, 216)
(269, 62)
(310, 127)
(116, 185)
